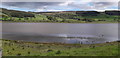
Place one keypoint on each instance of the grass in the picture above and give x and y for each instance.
(19, 48)
(101, 18)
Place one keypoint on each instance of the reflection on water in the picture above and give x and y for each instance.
(60, 32)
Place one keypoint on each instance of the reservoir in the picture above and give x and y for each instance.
(70, 33)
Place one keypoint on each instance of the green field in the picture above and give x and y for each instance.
(60, 17)
(86, 19)
(19, 48)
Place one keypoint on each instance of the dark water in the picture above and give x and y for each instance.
(60, 32)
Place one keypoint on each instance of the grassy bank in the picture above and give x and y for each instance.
(19, 48)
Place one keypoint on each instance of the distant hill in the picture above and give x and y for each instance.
(83, 13)
(61, 16)
(108, 12)
(112, 12)
(15, 13)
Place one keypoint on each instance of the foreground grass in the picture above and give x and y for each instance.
(19, 48)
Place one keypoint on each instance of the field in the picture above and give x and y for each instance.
(19, 48)
(60, 17)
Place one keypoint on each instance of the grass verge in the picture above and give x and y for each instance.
(20, 48)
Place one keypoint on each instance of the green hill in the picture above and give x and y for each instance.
(60, 17)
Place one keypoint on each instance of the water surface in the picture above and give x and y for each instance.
(85, 33)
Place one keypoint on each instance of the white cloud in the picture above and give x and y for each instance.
(102, 10)
(34, 0)
(66, 3)
(47, 10)
(39, 10)
(59, 0)
(98, 5)
(55, 10)
(105, 0)
(103, 4)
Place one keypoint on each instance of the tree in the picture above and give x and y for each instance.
(52, 18)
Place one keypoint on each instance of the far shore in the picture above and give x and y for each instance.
(61, 22)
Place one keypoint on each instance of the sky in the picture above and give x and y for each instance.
(60, 5)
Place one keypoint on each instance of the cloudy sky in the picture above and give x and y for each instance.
(62, 5)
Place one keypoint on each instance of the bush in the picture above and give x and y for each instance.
(58, 52)
(13, 49)
(28, 52)
(19, 54)
(49, 50)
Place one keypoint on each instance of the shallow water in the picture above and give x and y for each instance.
(61, 32)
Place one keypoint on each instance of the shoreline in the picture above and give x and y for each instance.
(62, 22)
(19, 48)
(53, 43)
